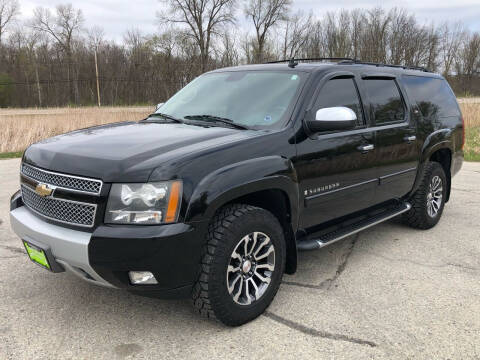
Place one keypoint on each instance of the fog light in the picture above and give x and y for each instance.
(142, 278)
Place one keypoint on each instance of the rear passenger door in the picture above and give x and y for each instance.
(396, 145)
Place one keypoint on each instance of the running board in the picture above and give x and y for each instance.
(351, 229)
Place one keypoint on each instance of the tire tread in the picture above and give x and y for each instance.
(417, 216)
(215, 248)
(218, 227)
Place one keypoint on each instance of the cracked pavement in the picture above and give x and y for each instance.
(389, 292)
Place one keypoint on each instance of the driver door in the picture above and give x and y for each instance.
(336, 170)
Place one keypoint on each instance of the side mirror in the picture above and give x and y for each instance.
(158, 106)
(333, 119)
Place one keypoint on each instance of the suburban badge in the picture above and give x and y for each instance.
(321, 189)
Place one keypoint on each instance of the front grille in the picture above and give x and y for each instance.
(75, 183)
(64, 211)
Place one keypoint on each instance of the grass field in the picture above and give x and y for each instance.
(22, 127)
(471, 115)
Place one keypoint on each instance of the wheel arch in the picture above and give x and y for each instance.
(444, 157)
(276, 202)
(437, 147)
(269, 183)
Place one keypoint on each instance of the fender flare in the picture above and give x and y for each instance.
(440, 139)
(242, 178)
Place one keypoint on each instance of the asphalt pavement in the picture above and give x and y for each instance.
(390, 292)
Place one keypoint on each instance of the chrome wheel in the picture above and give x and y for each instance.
(251, 267)
(434, 197)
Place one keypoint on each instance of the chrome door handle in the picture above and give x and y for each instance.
(410, 138)
(366, 148)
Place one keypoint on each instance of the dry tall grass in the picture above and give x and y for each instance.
(471, 114)
(469, 100)
(22, 127)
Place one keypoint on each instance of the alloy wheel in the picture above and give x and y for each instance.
(434, 196)
(251, 267)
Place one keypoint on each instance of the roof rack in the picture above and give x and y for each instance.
(293, 60)
(405, 67)
(345, 61)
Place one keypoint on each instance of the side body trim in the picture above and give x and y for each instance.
(397, 173)
(379, 180)
(313, 197)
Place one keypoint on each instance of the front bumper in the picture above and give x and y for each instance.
(171, 252)
(68, 247)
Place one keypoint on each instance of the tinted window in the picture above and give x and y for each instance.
(385, 101)
(341, 92)
(433, 96)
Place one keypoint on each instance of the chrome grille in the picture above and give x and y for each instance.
(65, 211)
(70, 182)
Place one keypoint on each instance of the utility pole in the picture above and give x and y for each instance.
(98, 84)
(38, 86)
(38, 80)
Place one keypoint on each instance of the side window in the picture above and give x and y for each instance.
(386, 104)
(433, 96)
(341, 92)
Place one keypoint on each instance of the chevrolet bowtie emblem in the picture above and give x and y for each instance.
(43, 190)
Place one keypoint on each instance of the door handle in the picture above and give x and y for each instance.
(366, 148)
(410, 138)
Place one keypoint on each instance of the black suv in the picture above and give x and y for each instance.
(213, 195)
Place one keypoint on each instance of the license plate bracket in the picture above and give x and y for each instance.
(41, 255)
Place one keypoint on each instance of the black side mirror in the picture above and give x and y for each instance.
(333, 119)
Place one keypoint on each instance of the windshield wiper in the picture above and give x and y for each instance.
(165, 116)
(214, 118)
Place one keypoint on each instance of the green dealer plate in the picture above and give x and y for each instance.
(37, 255)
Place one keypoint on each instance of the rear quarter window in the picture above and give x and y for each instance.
(433, 96)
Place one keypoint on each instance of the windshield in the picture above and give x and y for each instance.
(256, 99)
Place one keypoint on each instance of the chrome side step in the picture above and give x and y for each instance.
(339, 234)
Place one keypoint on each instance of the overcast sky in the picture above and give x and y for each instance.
(116, 16)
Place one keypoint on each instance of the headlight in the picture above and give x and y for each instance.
(151, 203)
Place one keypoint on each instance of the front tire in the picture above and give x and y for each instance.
(242, 265)
(429, 199)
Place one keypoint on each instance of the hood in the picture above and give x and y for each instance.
(126, 151)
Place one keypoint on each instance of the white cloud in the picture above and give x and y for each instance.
(117, 16)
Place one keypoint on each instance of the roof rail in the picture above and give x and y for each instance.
(344, 61)
(406, 67)
(290, 61)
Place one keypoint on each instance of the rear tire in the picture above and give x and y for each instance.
(429, 199)
(244, 243)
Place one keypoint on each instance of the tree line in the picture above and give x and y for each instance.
(52, 59)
